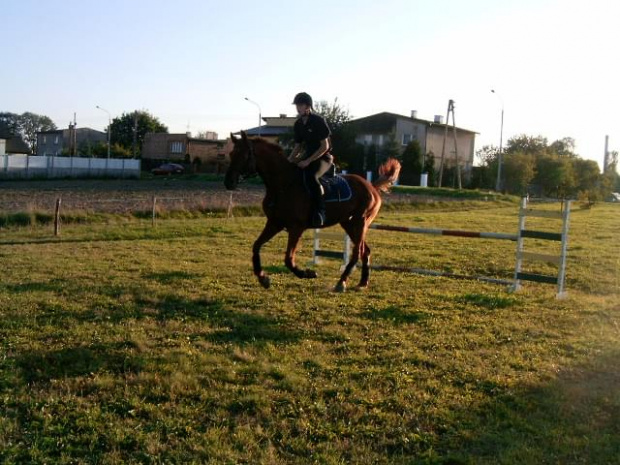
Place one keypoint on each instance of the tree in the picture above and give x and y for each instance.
(519, 170)
(390, 148)
(488, 155)
(100, 150)
(122, 128)
(335, 115)
(531, 145)
(589, 183)
(412, 163)
(30, 124)
(26, 126)
(485, 175)
(555, 175)
(564, 147)
(9, 123)
(429, 168)
(343, 136)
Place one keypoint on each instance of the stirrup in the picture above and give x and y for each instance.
(318, 219)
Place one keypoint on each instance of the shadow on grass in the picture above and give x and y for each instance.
(488, 301)
(244, 327)
(168, 277)
(230, 324)
(572, 419)
(395, 315)
(44, 366)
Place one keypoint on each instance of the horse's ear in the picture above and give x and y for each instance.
(244, 136)
(233, 138)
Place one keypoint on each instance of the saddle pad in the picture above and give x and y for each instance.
(336, 189)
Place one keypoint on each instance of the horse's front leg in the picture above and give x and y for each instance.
(289, 259)
(270, 230)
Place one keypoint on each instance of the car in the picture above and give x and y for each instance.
(615, 197)
(167, 169)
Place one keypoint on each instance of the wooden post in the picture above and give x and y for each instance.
(57, 217)
(153, 213)
(456, 150)
(229, 213)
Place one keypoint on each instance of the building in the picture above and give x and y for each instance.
(206, 155)
(275, 127)
(377, 129)
(61, 141)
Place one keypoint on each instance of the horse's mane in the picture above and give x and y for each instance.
(272, 145)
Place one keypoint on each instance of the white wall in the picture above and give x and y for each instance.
(24, 166)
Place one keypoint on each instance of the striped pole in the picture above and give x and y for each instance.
(447, 232)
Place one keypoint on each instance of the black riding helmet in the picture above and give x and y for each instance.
(303, 99)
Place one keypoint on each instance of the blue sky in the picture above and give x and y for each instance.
(191, 62)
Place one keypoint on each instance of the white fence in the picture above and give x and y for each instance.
(24, 166)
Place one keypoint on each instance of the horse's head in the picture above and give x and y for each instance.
(242, 161)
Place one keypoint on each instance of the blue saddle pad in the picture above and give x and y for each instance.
(335, 187)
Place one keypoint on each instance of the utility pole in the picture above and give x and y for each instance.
(457, 163)
(500, 158)
(134, 144)
(109, 127)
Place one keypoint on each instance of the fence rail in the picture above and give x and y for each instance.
(34, 166)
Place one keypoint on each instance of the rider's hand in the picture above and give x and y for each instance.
(303, 164)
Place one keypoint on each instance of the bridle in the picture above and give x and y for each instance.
(252, 171)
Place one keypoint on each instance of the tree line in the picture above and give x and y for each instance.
(533, 165)
(123, 144)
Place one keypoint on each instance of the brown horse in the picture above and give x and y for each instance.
(287, 205)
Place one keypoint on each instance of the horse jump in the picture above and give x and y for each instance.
(521, 254)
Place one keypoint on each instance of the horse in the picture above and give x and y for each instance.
(288, 206)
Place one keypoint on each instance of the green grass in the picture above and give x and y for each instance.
(123, 343)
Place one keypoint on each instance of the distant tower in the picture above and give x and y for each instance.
(606, 159)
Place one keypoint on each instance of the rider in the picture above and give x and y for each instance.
(313, 156)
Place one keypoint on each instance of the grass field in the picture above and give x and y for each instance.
(123, 343)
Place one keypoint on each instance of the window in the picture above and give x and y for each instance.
(380, 141)
(176, 147)
(56, 140)
(368, 139)
(45, 139)
(406, 139)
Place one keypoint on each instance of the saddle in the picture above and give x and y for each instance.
(335, 187)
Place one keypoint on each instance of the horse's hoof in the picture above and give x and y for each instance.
(264, 281)
(311, 274)
(340, 287)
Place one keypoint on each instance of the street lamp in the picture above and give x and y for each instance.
(498, 183)
(260, 118)
(109, 127)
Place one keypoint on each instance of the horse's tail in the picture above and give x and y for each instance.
(388, 174)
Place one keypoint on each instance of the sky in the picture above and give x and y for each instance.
(554, 64)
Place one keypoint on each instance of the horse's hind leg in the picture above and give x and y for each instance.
(355, 230)
(270, 230)
(289, 259)
(365, 266)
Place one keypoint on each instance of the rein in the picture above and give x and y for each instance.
(252, 172)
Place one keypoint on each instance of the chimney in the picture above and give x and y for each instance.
(282, 115)
(414, 114)
(439, 119)
(606, 159)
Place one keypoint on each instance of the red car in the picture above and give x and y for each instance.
(167, 169)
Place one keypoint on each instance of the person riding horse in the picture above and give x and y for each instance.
(312, 152)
